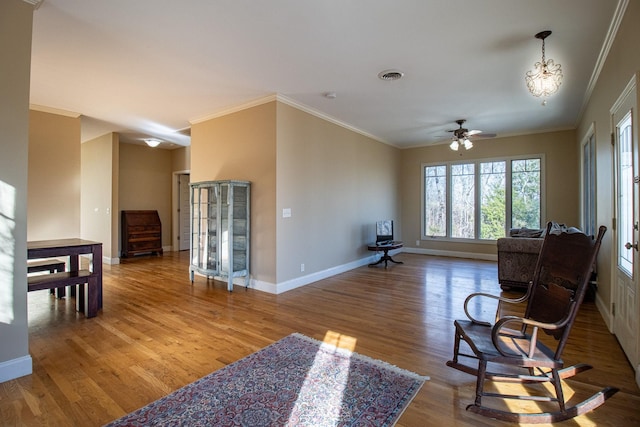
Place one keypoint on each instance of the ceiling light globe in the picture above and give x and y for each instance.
(545, 79)
(151, 142)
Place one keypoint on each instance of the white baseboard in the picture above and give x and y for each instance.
(604, 312)
(110, 261)
(278, 288)
(288, 285)
(16, 368)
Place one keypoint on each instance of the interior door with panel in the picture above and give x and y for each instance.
(626, 309)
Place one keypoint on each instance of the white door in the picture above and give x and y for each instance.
(625, 238)
(184, 209)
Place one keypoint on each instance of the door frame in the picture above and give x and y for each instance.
(175, 206)
(631, 88)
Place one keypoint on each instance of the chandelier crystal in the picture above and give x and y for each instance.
(545, 79)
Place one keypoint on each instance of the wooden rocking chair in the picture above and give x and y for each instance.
(553, 298)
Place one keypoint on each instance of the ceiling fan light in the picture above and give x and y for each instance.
(454, 145)
(467, 144)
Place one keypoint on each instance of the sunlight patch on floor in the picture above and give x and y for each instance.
(330, 406)
(339, 340)
(521, 406)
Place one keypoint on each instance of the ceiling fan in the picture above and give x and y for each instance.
(461, 136)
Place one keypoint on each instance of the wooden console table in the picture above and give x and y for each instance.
(385, 248)
(87, 302)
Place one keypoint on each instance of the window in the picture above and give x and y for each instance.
(463, 202)
(492, 199)
(482, 199)
(525, 193)
(625, 194)
(589, 186)
(436, 201)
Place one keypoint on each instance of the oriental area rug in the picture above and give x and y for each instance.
(297, 381)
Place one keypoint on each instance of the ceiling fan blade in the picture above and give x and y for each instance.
(473, 132)
(484, 135)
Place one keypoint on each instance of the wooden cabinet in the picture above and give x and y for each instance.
(141, 233)
(220, 225)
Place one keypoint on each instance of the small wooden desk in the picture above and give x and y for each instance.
(87, 303)
(385, 248)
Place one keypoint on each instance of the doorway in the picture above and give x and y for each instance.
(626, 310)
(182, 211)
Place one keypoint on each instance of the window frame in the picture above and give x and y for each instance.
(508, 198)
(589, 190)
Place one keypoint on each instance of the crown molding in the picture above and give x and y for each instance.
(614, 26)
(234, 109)
(323, 116)
(290, 102)
(60, 112)
(35, 3)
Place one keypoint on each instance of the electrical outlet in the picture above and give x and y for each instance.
(417, 242)
(301, 268)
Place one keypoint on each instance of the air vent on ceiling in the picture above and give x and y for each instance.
(390, 75)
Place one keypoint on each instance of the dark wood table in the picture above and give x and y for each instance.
(72, 248)
(385, 248)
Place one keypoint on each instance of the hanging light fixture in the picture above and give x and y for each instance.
(545, 79)
(152, 142)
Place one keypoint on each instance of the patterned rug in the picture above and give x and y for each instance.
(297, 381)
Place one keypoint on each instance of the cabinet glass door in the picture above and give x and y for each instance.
(239, 227)
(224, 227)
(220, 230)
(204, 228)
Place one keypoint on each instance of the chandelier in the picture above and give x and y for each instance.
(545, 79)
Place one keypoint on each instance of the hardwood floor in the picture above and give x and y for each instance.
(158, 333)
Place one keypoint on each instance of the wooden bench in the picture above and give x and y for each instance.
(52, 265)
(86, 299)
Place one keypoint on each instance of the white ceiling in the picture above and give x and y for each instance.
(153, 67)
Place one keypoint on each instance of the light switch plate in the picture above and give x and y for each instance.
(286, 213)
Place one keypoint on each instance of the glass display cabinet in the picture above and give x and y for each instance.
(220, 225)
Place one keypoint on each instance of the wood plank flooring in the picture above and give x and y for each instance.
(158, 333)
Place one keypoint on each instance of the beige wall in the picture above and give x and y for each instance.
(145, 183)
(623, 61)
(99, 200)
(181, 159)
(561, 184)
(337, 183)
(242, 146)
(118, 176)
(54, 176)
(16, 18)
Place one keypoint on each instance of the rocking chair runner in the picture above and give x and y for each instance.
(553, 298)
